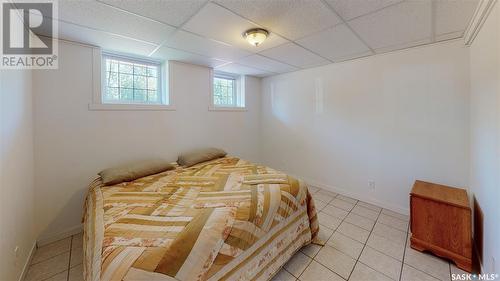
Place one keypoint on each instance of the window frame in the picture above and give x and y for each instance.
(99, 76)
(238, 92)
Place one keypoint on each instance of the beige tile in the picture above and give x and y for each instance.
(357, 220)
(336, 261)
(311, 250)
(313, 189)
(76, 273)
(395, 235)
(334, 211)
(48, 268)
(347, 199)
(328, 221)
(386, 246)
(393, 222)
(354, 232)
(342, 204)
(327, 192)
(381, 263)
(76, 256)
(345, 244)
(428, 263)
(318, 272)
(324, 233)
(297, 264)
(364, 273)
(369, 206)
(324, 196)
(63, 276)
(455, 270)
(283, 275)
(396, 215)
(51, 250)
(77, 241)
(319, 205)
(365, 212)
(412, 274)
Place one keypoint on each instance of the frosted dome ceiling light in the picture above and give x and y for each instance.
(256, 36)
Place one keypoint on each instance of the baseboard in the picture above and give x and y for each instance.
(28, 262)
(53, 237)
(362, 197)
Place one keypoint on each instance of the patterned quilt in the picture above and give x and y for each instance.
(226, 219)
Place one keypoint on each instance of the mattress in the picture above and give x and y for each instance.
(225, 219)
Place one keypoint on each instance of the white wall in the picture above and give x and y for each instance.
(16, 172)
(485, 133)
(72, 143)
(390, 118)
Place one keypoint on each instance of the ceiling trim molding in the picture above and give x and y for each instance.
(481, 13)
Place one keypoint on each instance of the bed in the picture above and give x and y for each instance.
(225, 219)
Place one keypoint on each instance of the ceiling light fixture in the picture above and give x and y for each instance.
(255, 36)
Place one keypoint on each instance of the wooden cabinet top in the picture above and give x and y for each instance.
(442, 193)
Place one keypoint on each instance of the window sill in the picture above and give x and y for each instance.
(222, 108)
(130, 107)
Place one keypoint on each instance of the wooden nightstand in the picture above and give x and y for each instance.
(440, 219)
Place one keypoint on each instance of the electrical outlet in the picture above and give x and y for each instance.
(371, 185)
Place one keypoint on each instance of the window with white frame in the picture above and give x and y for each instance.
(132, 81)
(227, 91)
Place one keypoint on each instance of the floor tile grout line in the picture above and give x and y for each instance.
(331, 269)
(52, 275)
(404, 252)
(426, 273)
(65, 252)
(364, 246)
(341, 222)
(395, 216)
(70, 253)
(404, 231)
(335, 230)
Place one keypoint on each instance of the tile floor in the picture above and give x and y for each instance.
(363, 242)
(59, 261)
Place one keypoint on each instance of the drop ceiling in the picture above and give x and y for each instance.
(303, 33)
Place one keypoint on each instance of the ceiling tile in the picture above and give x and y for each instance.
(244, 70)
(218, 23)
(165, 53)
(292, 19)
(403, 46)
(335, 43)
(295, 55)
(103, 17)
(349, 9)
(204, 46)
(453, 15)
(267, 64)
(449, 36)
(170, 12)
(406, 22)
(106, 41)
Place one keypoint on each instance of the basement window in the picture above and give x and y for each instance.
(227, 92)
(131, 84)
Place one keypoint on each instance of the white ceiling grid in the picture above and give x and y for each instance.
(303, 33)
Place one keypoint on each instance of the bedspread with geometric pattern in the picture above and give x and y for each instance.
(226, 219)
